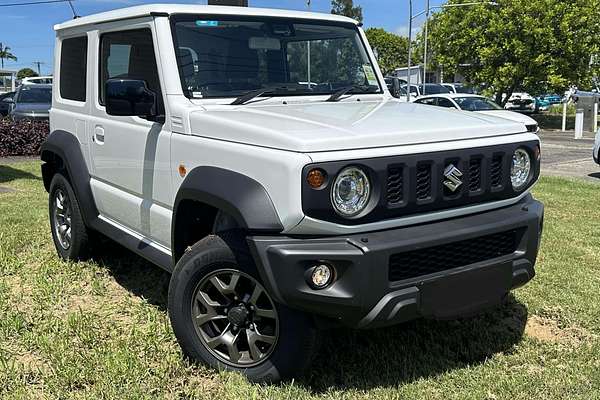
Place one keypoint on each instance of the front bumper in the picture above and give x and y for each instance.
(364, 293)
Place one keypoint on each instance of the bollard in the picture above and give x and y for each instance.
(579, 124)
(595, 126)
(564, 119)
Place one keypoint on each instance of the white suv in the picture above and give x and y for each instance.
(258, 156)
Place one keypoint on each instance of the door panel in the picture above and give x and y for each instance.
(125, 149)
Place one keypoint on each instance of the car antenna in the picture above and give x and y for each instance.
(75, 15)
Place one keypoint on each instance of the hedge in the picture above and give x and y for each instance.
(22, 138)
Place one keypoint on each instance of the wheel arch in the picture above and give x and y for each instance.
(207, 190)
(61, 152)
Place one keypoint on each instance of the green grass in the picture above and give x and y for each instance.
(99, 330)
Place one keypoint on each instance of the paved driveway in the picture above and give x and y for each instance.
(562, 155)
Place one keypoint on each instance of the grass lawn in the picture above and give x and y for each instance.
(100, 330)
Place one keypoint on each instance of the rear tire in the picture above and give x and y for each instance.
(223, 317)
(69, 232)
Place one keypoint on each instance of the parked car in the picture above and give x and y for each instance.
(551, 99)
(428, 88)
(31, 102)
(459, 88)
(5, 105)
(596, 151)
(521, 102)
(37, 80)
(280, 208)
(479, 104)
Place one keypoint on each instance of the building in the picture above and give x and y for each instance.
(433, 76)
(8, 80)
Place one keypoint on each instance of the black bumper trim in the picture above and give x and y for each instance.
(362, 294)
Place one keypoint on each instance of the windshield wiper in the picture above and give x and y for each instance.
(246, 97)
(337, 95)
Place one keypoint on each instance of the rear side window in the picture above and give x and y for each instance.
(128, 54)
(442, 102)
(73, 68)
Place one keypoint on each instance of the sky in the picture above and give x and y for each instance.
(27, 30)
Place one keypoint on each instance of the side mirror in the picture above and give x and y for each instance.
(8, 100)
(397, 89)
(130, 97)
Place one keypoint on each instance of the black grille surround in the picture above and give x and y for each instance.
(431, 260)
(413, 184)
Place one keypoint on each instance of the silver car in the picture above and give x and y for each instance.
(31, 102)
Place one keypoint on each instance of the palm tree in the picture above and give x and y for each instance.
(5, 54)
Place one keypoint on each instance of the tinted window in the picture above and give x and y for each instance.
(476, 104)
(434, 89)
(442, 102)
(33, 94)
(428, 101)
(73, 69)
(128, 54)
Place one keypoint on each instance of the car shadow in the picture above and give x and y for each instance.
(132, 272)
(595, 175)
(8, 174)
(388, 357)
(361, 360)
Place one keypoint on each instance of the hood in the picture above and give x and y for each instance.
(41, 108)
(322, 126)
(510, 115)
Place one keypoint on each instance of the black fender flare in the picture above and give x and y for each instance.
(66, 146)
(238, 195)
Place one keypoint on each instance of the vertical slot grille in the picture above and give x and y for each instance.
(423, 184)
(475, 174)
(496, 171)
(395, 186)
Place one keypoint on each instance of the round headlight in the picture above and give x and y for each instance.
(350, 192)
(520, 169)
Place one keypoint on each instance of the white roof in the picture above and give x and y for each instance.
(148, 9)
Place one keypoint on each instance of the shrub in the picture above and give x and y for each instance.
(22, 138)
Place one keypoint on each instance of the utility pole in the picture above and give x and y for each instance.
(39, 64)
(425, 50)
(410, 19)
(308, 53)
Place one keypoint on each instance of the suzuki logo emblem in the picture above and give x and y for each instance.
(453, 175)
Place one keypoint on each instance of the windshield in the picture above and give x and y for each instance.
(34, 95)
(223, 57)
(476, 104)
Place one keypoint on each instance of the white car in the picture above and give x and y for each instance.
(521, 102)
(185, 133)
(479, 104)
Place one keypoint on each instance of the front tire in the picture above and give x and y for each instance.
(223, 317)
(69, 232)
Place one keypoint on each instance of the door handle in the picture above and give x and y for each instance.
(99, 135)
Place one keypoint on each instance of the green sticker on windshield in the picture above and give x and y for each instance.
(370, 75)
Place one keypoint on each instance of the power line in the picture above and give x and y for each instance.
(30, 3)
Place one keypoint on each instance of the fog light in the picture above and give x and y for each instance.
(322, 276)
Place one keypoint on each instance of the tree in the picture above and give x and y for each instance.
(535, 46)
(391, 49)
(347, 8)
(5, 54)
(26, 73)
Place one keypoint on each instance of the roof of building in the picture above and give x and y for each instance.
(168, 9)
